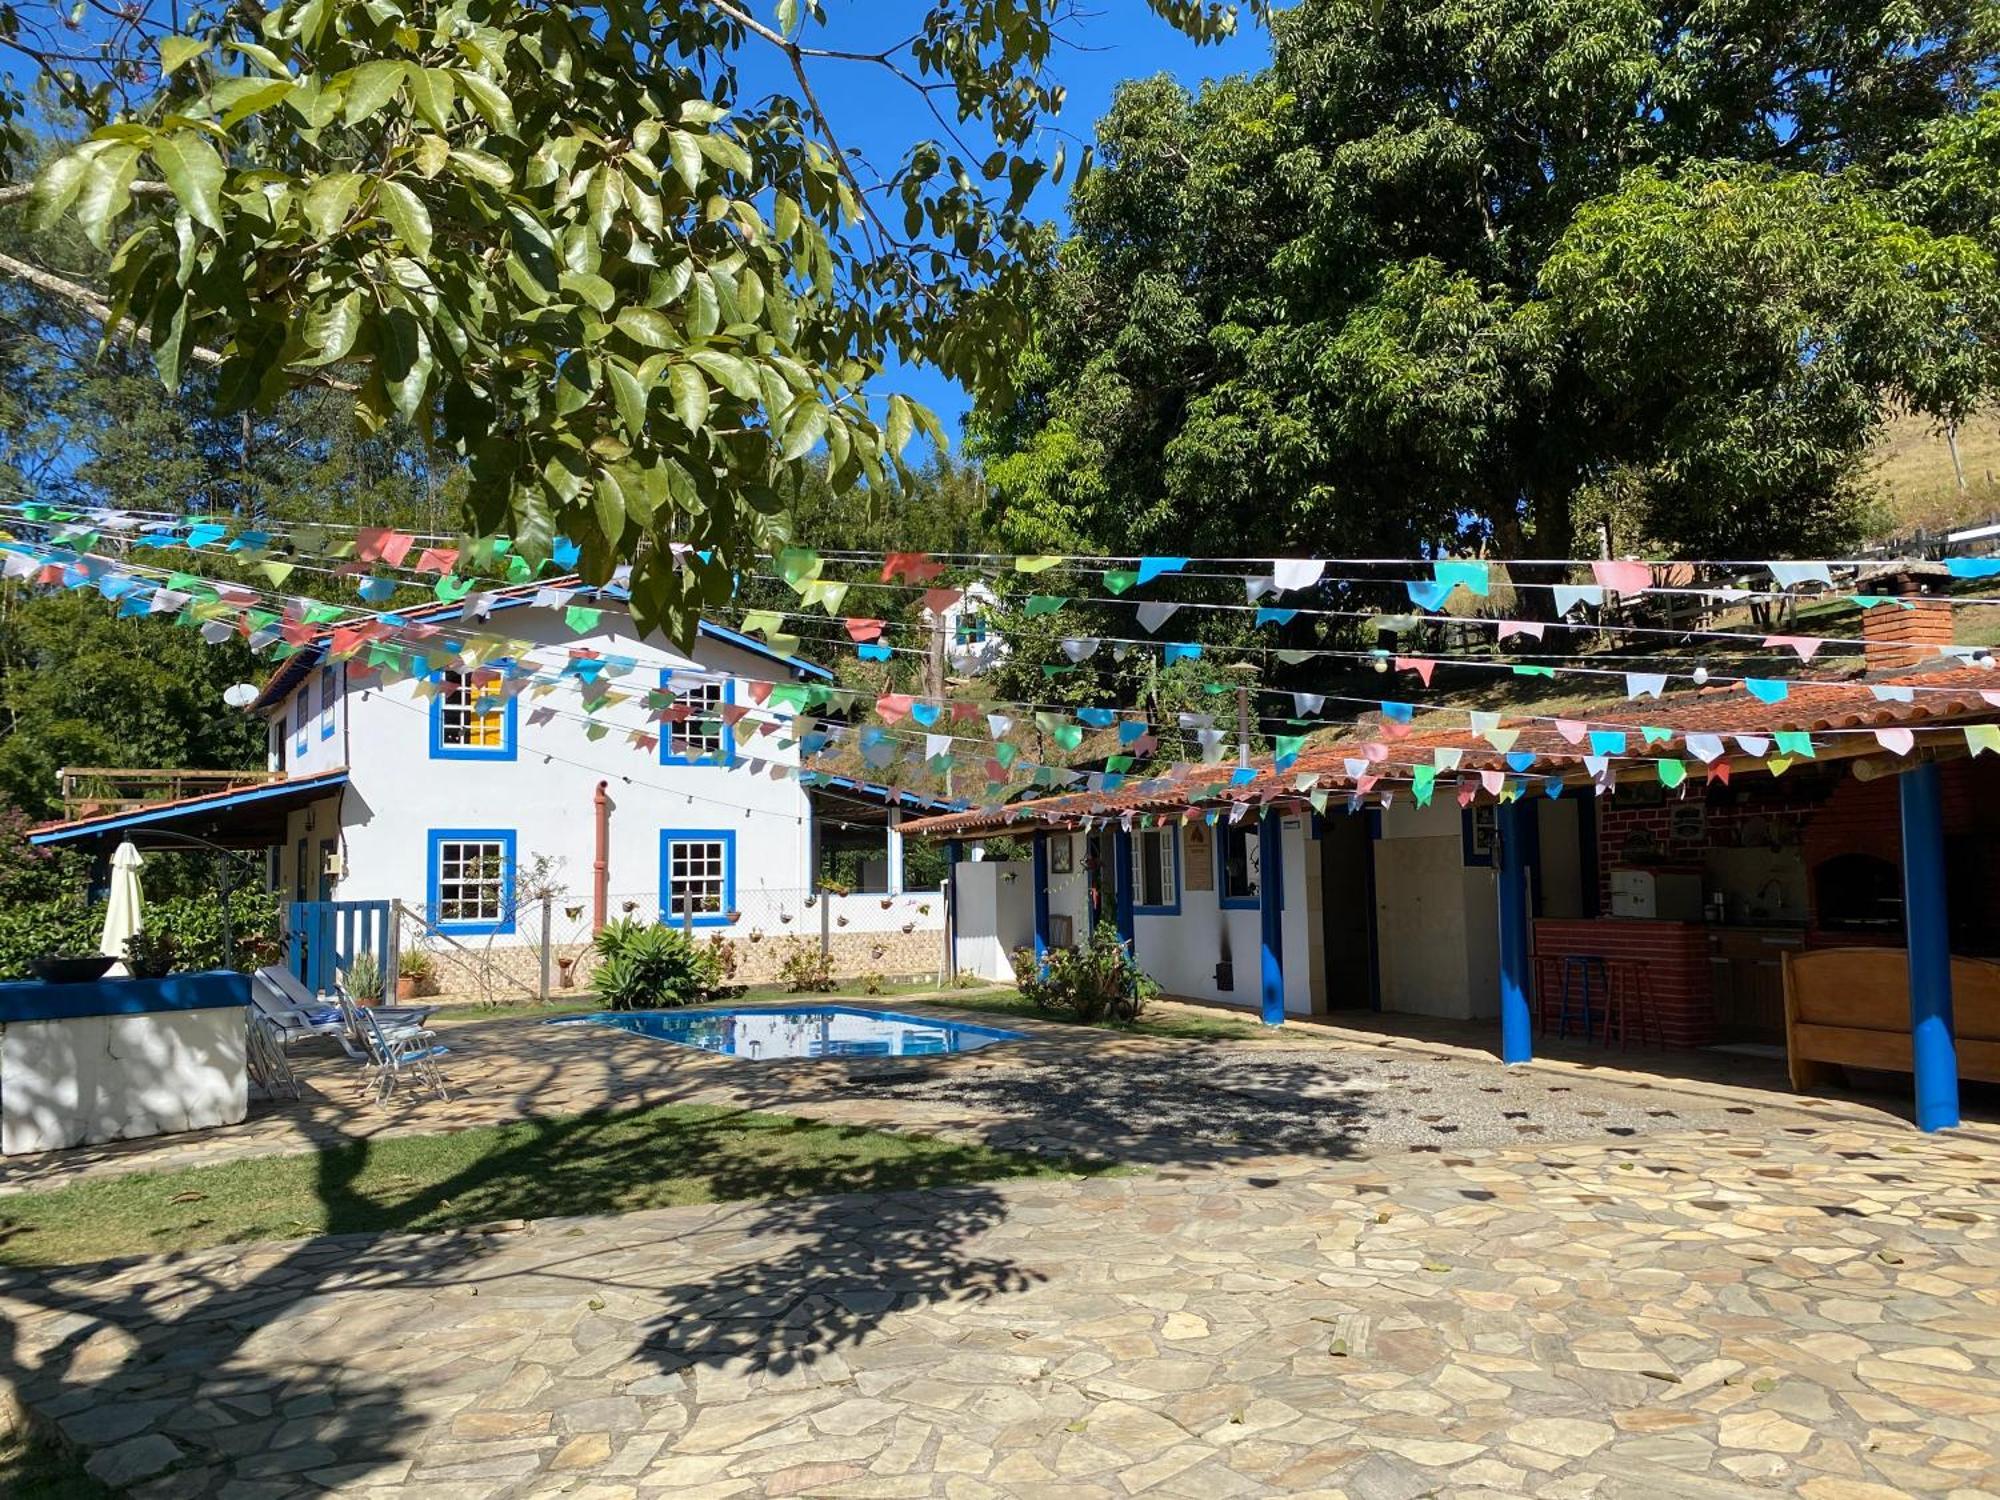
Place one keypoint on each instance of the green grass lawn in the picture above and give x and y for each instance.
(1188, 1027)
(579, 1164)
(582, 1002)
(33, 1470)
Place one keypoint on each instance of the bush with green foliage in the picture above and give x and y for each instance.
(190, 927)
(1094, 982)
(805, 970)
(642, 966)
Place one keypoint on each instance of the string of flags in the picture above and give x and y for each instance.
(223, 610)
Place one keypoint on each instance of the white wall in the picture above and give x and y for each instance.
(398, 793)
(996, 915)
(1436, 918)
(1181, 951)
(112, 1078)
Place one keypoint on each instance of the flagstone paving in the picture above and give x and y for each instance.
(1769, 1307)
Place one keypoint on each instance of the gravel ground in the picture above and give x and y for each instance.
(1309, 1101)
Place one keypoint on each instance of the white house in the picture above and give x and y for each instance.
(972, 641)
(466, 791)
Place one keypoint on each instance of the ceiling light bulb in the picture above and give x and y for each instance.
(1700, 676)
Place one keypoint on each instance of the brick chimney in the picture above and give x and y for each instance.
(1901, 636)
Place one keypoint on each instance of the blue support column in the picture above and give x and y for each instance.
(1516, 1033)
(1041, 878)
(1121, 890)
(1929, 937)
(1270, 909)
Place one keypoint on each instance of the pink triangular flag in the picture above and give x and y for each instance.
(1805, 645)
(1572, 730)
(1625, 577)
(1422, 666)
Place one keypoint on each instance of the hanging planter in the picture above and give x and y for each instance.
(887, 902)
(784, 916)
(909, 927)
(732, 916)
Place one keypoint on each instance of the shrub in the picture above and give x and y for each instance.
(1096, 981)
(805, 970)
(149, 955)
(655, 966)
(613, 937)
(190, 925)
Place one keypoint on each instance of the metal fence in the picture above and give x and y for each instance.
(549, 951)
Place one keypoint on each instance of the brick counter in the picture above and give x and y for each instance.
(1677, 966)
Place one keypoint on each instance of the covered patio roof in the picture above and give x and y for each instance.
(247, 818)
(1937, 700)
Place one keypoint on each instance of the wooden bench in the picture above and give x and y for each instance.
(1850, 1007)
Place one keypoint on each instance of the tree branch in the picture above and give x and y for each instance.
(89, 301)
(14, 192)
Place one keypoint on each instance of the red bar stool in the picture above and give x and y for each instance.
(1629, 998)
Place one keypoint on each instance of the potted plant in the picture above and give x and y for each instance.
(363, 979)
(416, 974)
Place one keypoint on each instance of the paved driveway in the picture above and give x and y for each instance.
(1807, 1308)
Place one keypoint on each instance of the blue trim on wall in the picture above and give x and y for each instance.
(328, 681)
(1223, 830)
(727, 837)
(301, 716)
(502, 836)
(509, 747)
(726, 756)
(1172, 834)
(1927, 921)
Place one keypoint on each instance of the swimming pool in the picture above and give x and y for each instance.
(766, 1033)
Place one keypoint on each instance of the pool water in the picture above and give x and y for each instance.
(768, 1033)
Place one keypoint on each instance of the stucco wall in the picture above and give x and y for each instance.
(399, 792)
(996, 914)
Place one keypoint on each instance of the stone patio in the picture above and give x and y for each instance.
(1731, 1297)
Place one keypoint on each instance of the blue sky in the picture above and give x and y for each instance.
(1115, 40)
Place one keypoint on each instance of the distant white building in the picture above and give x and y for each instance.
(972, 641)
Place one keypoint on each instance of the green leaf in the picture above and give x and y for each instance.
(404, 359)
(803, 432)
(902, 423)
(631, 398)
(169, 336)
(333, 329)
(607, 502)
(329, 201)
(107, 190)
(240, 98)
(686, 151)
(431, 92)
(734, 374)
(57, 187)
(369, 87)
(175, 51)
(593, 289)
(645, 326)
(785, 218)
(484, 168)
(195, 172)
(407, 216)
(489, 99)
(690, 390)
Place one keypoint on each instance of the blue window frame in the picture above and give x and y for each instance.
(697, 876)
(469, 882)
(1236, 887)
(327, 698)
(301, 715)
(1156, 872)
(473, 721)
(702, 739)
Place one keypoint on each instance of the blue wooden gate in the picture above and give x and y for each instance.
(323, 938)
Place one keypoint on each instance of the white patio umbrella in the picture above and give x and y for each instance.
(127, 912)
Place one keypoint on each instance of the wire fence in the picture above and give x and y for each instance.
(754, 932)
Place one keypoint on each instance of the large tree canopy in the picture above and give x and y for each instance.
(578, 245)
(1468, 271)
